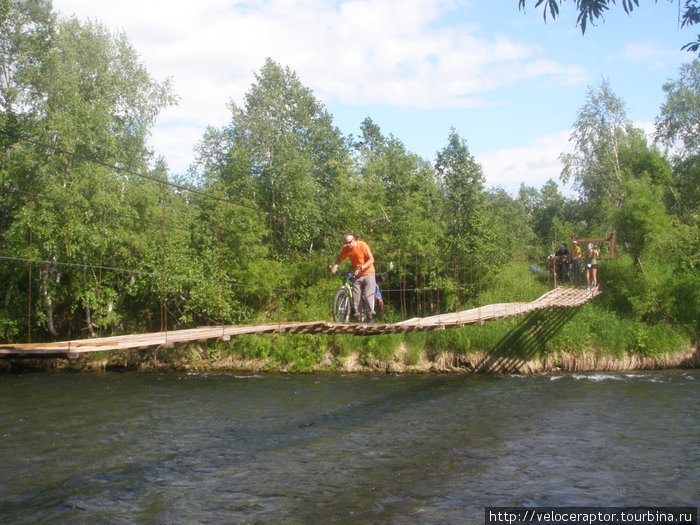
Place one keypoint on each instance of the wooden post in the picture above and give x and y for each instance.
(612, 245)
(29, 284)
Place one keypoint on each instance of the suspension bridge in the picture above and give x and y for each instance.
(71, 251)
(559, 297)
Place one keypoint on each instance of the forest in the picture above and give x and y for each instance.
(98, 237)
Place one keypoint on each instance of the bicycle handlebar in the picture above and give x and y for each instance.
(379, 277)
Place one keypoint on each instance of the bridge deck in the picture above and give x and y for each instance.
(557, 298)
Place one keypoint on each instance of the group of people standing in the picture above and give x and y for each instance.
(566, 263)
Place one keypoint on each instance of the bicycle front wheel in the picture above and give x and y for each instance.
(341, 306)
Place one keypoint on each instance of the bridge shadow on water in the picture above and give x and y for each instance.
(527, 340)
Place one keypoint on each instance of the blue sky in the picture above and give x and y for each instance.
(508, 82)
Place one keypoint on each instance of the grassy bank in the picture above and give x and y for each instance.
(592, 337)
(584, 338)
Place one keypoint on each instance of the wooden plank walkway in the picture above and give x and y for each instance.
(557, 298)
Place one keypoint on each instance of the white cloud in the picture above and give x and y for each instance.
(649, 129)
(653, 54)
(397, 52)
(359, 51)
(537, 162)
(532, 165)
(175, 143)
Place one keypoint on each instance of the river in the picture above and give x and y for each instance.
(222, 448)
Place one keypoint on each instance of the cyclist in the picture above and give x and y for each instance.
(562, 257)
(364, 285)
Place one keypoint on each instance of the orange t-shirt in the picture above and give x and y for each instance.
(360, 254)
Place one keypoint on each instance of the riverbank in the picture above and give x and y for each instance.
(477, 362)
(404, 361)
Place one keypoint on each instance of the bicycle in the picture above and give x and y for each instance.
(563, 268)
(343, 300)
(576, 271)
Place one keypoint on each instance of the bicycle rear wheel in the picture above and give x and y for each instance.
(341, 306)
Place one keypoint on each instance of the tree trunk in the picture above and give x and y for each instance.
(88, 315)
(48, 302)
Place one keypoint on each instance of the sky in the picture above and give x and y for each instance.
(508, 82)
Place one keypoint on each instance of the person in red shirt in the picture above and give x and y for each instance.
(365, 284)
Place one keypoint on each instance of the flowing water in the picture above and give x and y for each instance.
(171, 448)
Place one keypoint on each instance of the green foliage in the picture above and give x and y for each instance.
(299, 352)
(677, 122)
(283, 145)
(512, 231)
(684, 193)
(515, 282)
(415, 345)
(643, 221)
(26, 33)
(252, 346)
(649, 339)
(543, 206)
(381, 348)
(345, 345)
(8, 326)
(454, 340)
(97, 238)
(590, 11)
(600, 129)
(462, 180)
(683, 299)
(292, 352)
